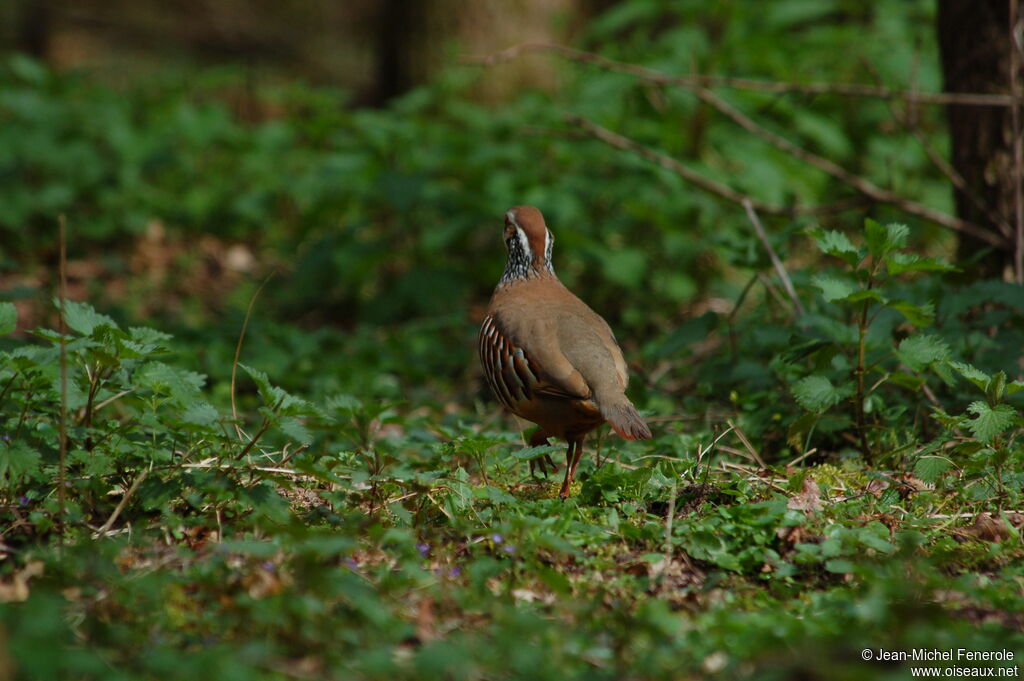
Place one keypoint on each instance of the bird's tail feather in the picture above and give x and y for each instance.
(626, 420)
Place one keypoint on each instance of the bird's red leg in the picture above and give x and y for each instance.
(569, 454)
(576, 459)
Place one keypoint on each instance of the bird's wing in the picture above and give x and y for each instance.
(518, 369)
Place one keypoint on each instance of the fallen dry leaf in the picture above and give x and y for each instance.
(792, 534)
(876, 487)
(807, 500)
(989, 528)
(16, 590)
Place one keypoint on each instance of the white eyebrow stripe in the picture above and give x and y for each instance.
(525, 243)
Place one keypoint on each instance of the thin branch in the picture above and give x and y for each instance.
(697, 84)
(697, 80)
(238, 353)
(908, 118)
(776, 263)
(617, 141)
(121, 504)
(264, 427)
(114, 398)
(702, 451)
(803, 456)
(767, 283)
(859, 183)
(669, 517)
(956, 179)
(746, 444)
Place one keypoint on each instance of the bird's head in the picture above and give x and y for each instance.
(529, 243)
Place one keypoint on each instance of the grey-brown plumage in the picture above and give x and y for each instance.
(546, 355)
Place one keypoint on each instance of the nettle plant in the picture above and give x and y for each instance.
(865, 340)
(983, 440)
(133, 423)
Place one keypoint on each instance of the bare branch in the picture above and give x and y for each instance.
(238, 353)
(694, 83)
(776, 263)
(909, 120)
(697, 80)
(859, 183)
(692, 176)
(120, 506)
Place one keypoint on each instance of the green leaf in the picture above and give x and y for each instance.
(917, 352)
(200, 414)
(834, 288)
(840, 565)
(928, 468)
(995, 388)
(971, 373)
(990, 421)
(865, 294)
(181, 385)
(816, 393)
(81, 317)
(148, 336)
(17, 461)
(262, 382)
(898, 263)
(796, 435)
(906, 380)
(883, 240)
(918, 315)
(1015, 387)
(296, 430)
(344, 403)
(8, 318)
(839, 245)
(276, 397)
(528, 453)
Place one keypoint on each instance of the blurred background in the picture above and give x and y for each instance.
(357, 153)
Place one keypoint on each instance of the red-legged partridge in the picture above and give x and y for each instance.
(547, 356)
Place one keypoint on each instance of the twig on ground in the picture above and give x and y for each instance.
(121, 504)
(669, 517)
(746, 443)
(702, 451)
(803, 456)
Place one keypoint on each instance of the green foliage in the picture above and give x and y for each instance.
(365, 544)
(343, 504)
(8, 318)
(850, 358)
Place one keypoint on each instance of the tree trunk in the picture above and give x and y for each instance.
(975, 46)
(34, 28)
